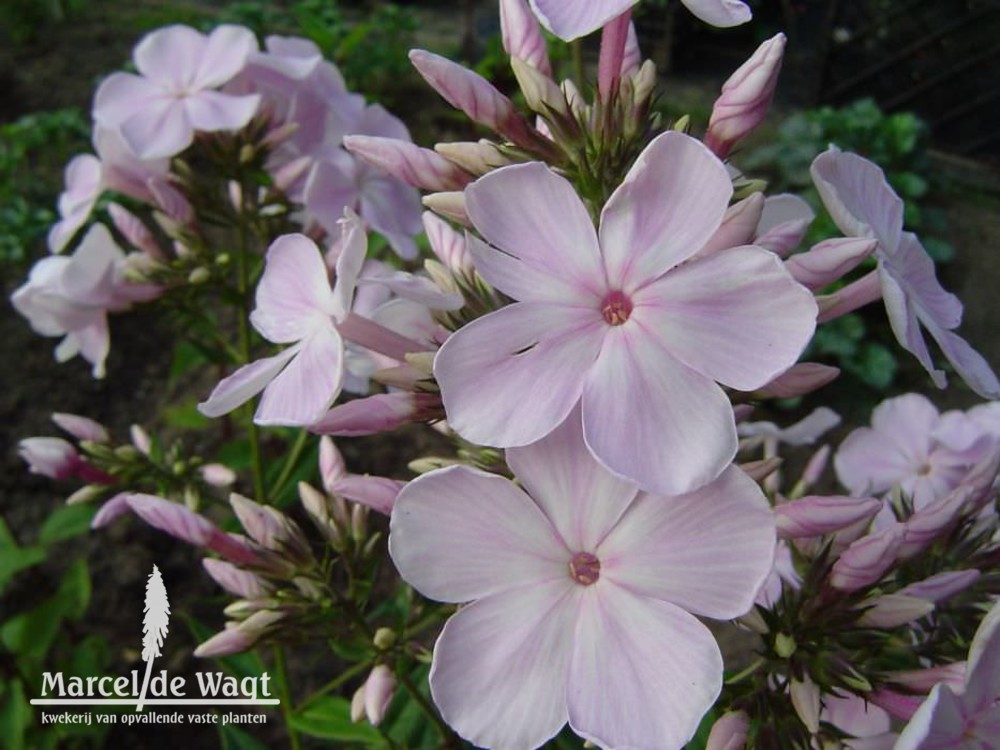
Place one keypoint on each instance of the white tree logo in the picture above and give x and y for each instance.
(155, 622)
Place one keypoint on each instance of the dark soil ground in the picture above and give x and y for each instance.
(59, 69)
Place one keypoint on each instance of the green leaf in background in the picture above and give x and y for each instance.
(15, 714)
(14, 559)
(185, 416)
(234, 738)
(329, 718)
(67, 522)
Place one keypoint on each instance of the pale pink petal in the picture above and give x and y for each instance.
(501, 666)
(783, 223)
(82, 428)
(119, 96)
(650, 418)
(378, 493)
(570, 20)
(643, 673)
(983, 667)
(721, 549)
(459, 534)
(242, 583)
(970, 365)
(513, 209)
(512, 376)
(170, 56)
(244, 384)
(904, 322)
(352, 246)
(721, 13)
(671, 202)
(302, 392)
(392, 208)
(211, 111)
(938, 723)
(719, 315)
(581, 498)
(293, 295)
(223, 56)
(161, 128)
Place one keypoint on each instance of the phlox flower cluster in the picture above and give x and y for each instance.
(606, 307)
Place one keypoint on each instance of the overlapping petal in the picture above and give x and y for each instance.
(303, 391)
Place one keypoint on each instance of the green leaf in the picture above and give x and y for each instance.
(30, 634)
(406, 722)
(74, 590)
(234, 738)
(329, 718)
(15, 559)
(15, 715)
(186, 416)
(66, 522)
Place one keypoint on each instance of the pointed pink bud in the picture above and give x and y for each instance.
(612, 55)
(50, 457)
(291, 175)
(815, 467)
(331, 463)
(448, 245)
(857, 294)
(170, 200)
(923, 680)
(134, 230)
(729, 732)
(745, 98)
(269, 527)
(473, 94)
(232, 640)
(931, 522)
(358, 704)
(379, 413)
(242, 583)
(632, 58)
(111, 510)
(784, 223)
(942, 586)
(82, 428)
(416, 166)
(866, 560)
(738, 225)
(522, 36)
(450, 204)
(800, 379)
(896, 704)
(477, 158)
(379, 689)
(377, 493)
(816, 515)
(829, 260)
(140, 439)
(892, 610)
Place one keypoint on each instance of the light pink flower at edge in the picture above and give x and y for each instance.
(570, 19)
(583, 590)
(623, 319)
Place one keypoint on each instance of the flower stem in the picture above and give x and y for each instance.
(450, 738)
(285, 697)
(289, 467)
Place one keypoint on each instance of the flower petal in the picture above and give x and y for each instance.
(244, 384)
(224, 55)
(708, 551)
(459, 534)
(721, 13)
(938, 723)
(648, 417)
(501, 665)
(510, 377)
(570, 20)
(212, 111)
(302, 392)
(643, 673)
(170, 56)
(671, 202)
(161, 128)
(293, 296)
(514, 208)
(582, 499)
(983, 668)
(736, 316)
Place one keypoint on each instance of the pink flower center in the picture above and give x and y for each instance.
(584, 568)
(616, 308)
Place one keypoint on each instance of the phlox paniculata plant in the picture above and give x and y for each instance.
(605, 306)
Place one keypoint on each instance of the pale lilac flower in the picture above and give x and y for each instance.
(746, 97)
(569, 19)
(861, 202)
(71, 296)
(908, 446)
(296, 305)
(387, 204)
(966, 721)
(174, 96)
(804, 432)
(83, 188)
(618, 320)
(50, 457)
(574, 581)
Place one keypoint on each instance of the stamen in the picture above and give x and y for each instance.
(584, 568)
(616, 308)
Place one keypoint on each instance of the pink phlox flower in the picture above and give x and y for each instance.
(50, 457)
(76, 202)
(806, 431)
(296, 305)
(122, 170)
(911, 445)
(860, 720)
(570, 19)
(970, 719)
(175, 94)
(387, 204)
(617, 319)
(862, 204)
(71, 296)
(574, 576)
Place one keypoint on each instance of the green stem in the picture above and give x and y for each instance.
(450, 738)
(256, 463)
(289, 467)
(285, 696)
(336, 682)
(576, 52)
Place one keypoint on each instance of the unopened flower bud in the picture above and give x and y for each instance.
(760, 470)
(799, 380)
(806, 701)
(217, 475)
(522, 36)
(414, 165)
(784, 645)
(643, 84)
(729, 732)
(86, 494)
(247, 153)
(127, 453)
(476, 158)
(50, 457)
(385, 638)
(942, 586)
(379, 689)
(359, 522)
(82, 428)
(865, 561)
(829, 260)
(140, 439)
(199, 275)
(745, 97)
(541, 93)
(892, 610)
(450, 204)
(816, 515)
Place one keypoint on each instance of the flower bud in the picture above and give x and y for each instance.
(644, 82)
(829, 260)
(82, 428)
(800, 379)
(217, 475)
(241, 583)
(942, 586)
(745, 97)
(784, 223)
(450, 204)
(849, 298)
(865, 561)
(379, 688)
(924, 680)
(522, 36)
(729, 732)
(806, 701)
(414, 165)
(140, 439)
(893, 610)
(85, 494)
(382, 412)
(541, 93)
(816, 515)
(385, 638)
(478, 157)
(50, 457)
(738, 225)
